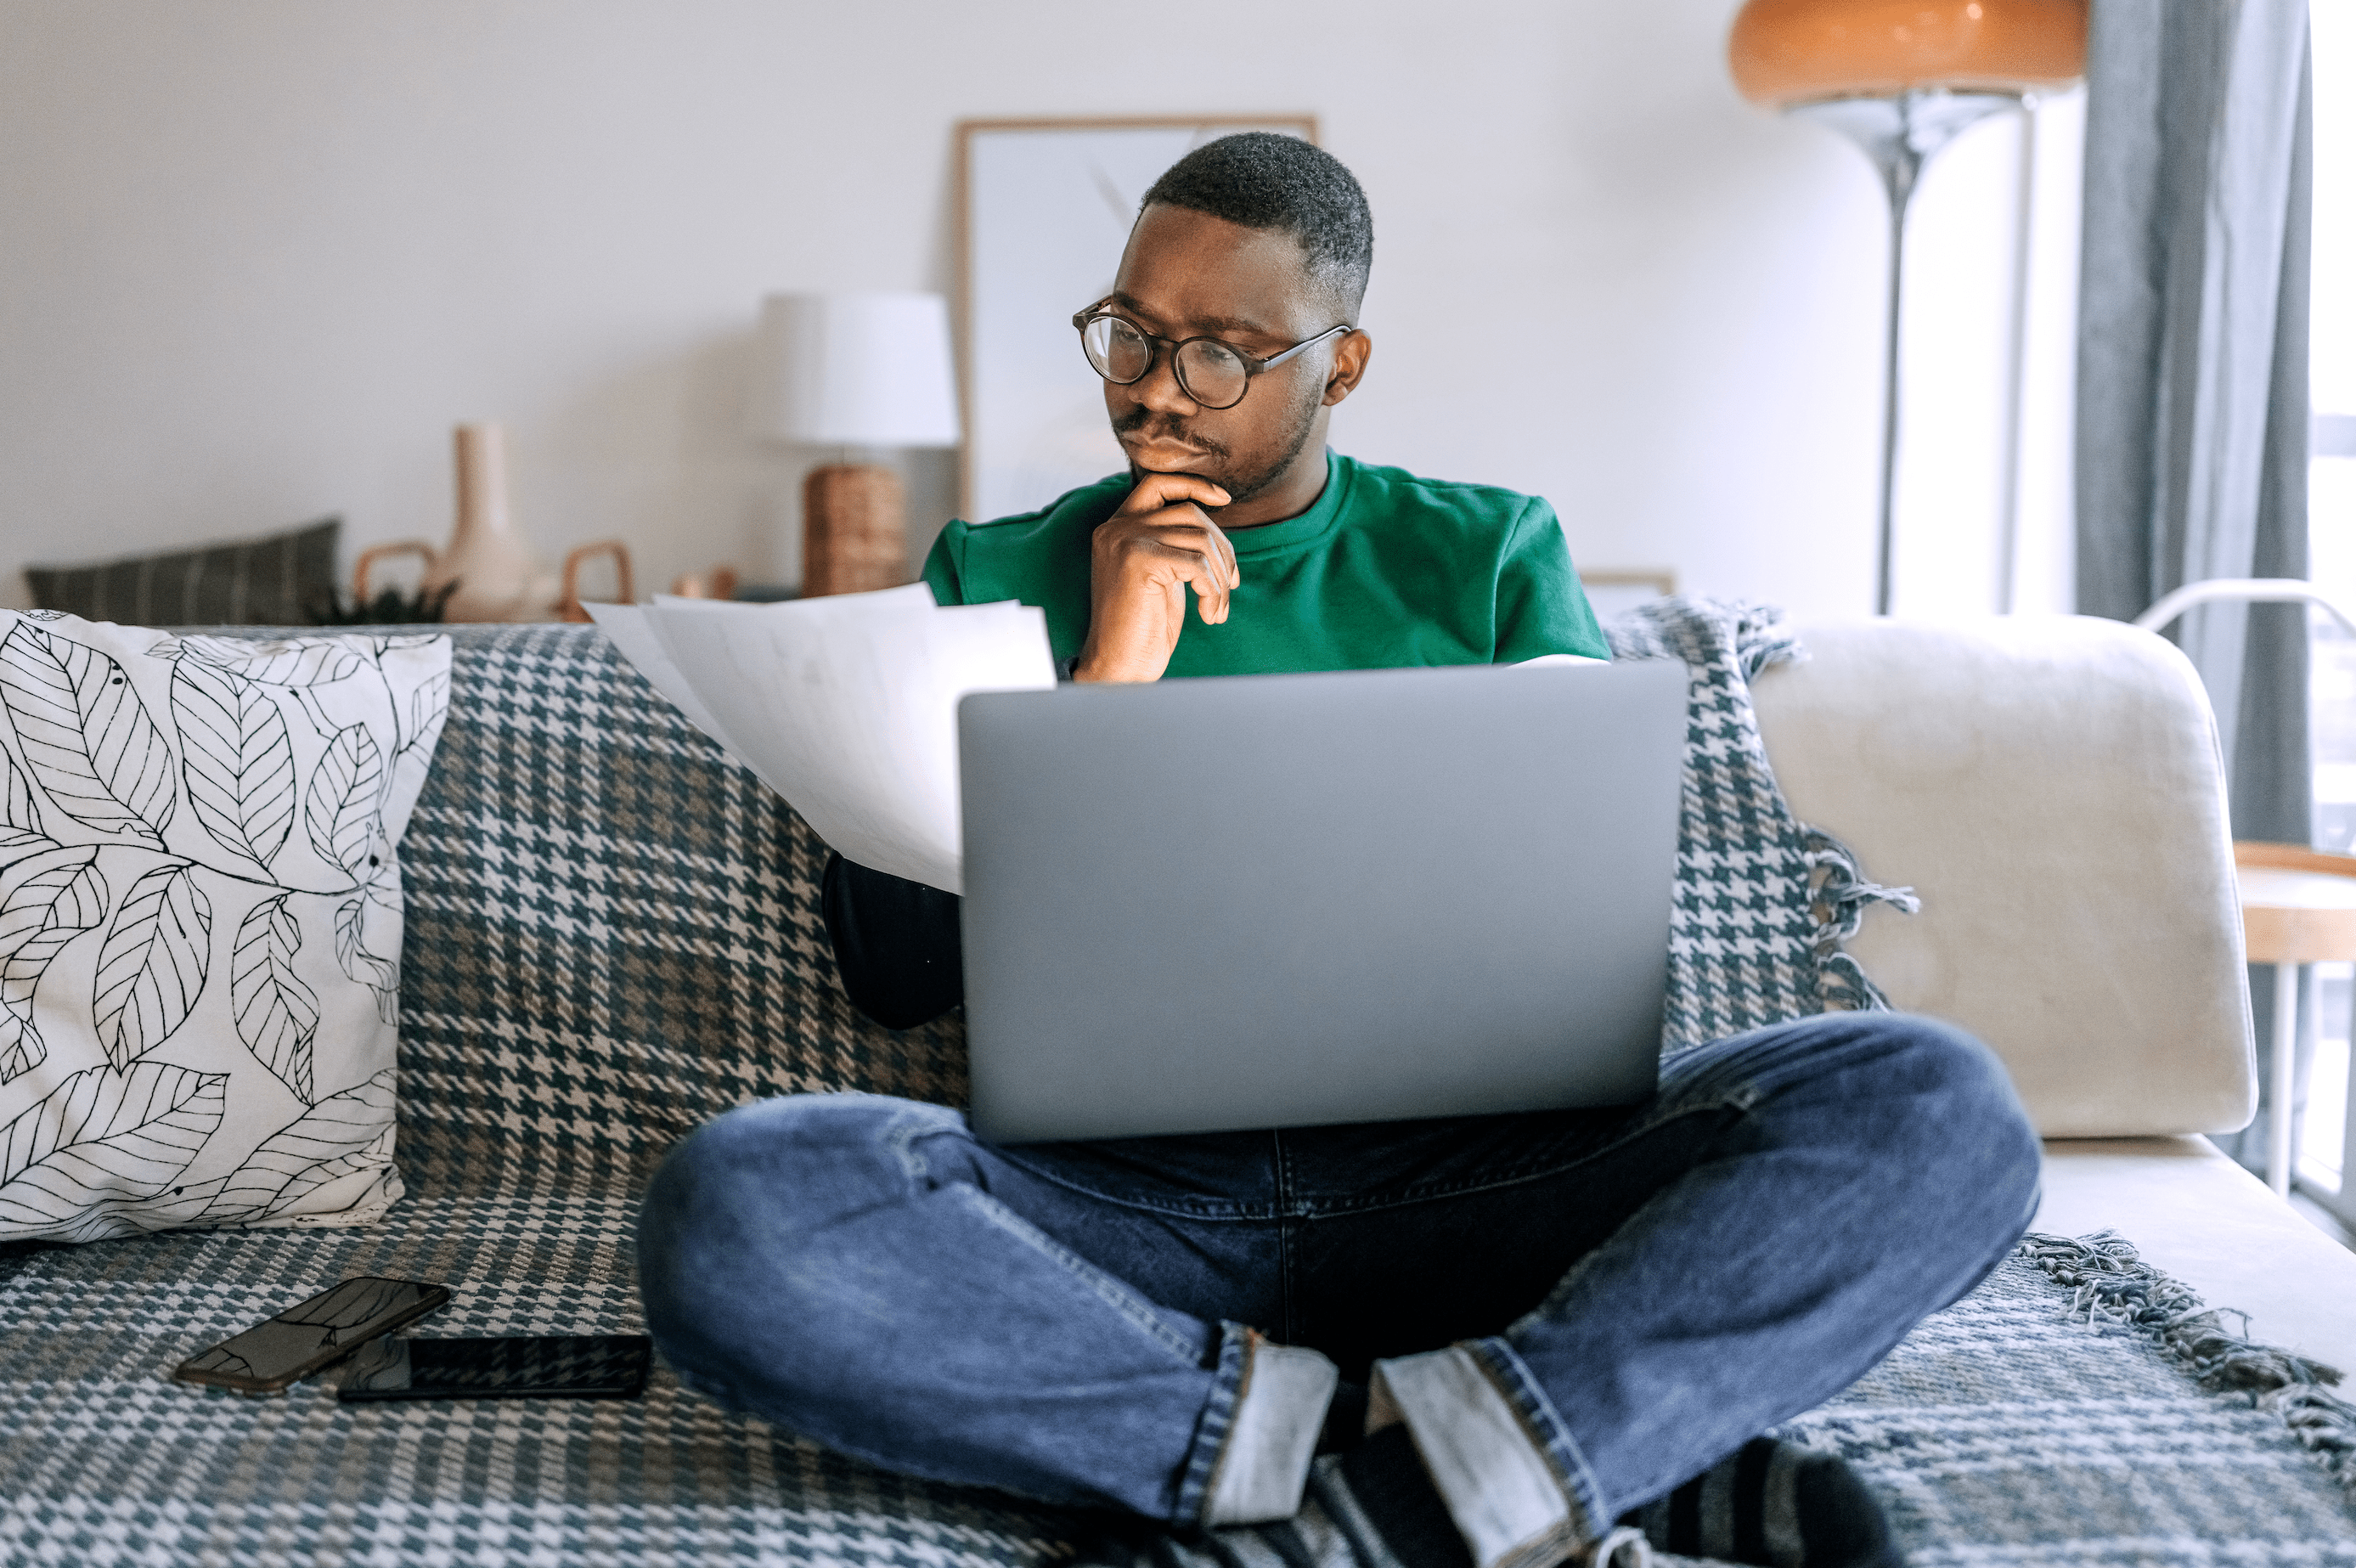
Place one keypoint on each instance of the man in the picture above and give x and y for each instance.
(1481, 1341)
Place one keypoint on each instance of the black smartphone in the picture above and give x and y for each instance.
(542, 1366)
(268, 1357)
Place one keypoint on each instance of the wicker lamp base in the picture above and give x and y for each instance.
(854, 530)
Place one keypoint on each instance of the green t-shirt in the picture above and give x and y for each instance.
(1386, 570)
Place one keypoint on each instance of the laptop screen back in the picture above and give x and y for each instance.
(1293, 899)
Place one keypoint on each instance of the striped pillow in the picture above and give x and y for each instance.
(276, 580)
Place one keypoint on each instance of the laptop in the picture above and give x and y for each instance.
(1286, 900)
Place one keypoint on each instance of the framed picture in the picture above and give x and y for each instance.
(1045, 208)
(1615, 592)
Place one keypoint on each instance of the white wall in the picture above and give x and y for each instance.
(257, 256)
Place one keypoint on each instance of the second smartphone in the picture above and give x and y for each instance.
(546, 1365)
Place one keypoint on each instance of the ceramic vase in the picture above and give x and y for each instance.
(491, 573)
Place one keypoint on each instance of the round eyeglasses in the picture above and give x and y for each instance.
(1211, 374)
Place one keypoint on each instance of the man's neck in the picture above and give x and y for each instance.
(1294, 492)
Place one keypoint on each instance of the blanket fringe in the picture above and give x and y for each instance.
(2110, 1284)
(1838, 895)
(1761, 638)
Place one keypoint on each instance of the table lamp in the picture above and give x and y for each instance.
(1901, 78)
(854, 371)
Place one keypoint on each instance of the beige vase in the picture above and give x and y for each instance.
(496, 575)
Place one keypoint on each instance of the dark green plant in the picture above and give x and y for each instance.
(392, 607)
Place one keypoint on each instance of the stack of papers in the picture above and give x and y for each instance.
(845, 706)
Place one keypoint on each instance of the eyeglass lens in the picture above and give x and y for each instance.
(1210, 372)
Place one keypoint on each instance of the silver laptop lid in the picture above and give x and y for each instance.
(1283, 900)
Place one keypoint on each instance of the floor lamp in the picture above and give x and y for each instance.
(1901, 78)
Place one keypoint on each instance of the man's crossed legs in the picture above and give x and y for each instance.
(1571, 1313)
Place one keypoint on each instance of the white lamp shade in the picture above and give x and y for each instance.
(855, 370)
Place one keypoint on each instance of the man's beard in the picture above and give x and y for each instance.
(1240, 486)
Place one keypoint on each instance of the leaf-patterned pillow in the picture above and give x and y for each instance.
(200, 922)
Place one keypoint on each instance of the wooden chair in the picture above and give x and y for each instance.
(2299, 906)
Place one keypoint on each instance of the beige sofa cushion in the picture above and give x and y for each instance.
(2049, 786)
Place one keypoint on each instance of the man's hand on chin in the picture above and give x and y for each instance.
(1142, 561)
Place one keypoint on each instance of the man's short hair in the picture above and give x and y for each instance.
(1262, 179)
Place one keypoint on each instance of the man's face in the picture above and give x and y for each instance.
(1188, 275)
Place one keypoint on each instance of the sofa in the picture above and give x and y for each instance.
(2050, 788)
(613, 933)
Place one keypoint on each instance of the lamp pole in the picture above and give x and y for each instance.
(1898, 172)
(1900, 134)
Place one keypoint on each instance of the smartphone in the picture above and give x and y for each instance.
(270, 1357)
(544, 1366)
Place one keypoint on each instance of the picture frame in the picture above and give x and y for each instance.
(1614, 591)
(1044, 208)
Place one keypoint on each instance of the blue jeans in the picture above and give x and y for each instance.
(1574, 1311)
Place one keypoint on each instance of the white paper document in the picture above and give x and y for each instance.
(845, 705)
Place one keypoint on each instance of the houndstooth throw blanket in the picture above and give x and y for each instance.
(1763, 901)
(592, 971)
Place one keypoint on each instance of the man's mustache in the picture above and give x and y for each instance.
(1165, 428)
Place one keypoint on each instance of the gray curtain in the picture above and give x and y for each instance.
(2192, 357)
(2192, 376)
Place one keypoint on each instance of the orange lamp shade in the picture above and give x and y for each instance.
(1785, 52)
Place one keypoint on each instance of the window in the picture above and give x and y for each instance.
(2331, 542)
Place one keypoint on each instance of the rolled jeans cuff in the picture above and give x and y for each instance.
(1512, 1476)
(1282, 1392)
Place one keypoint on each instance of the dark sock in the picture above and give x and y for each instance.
(1379, 1485)
(1393, 1489)
(1773, 1504)
(1345, 1418)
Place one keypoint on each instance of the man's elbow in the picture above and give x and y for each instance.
(897, 945)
